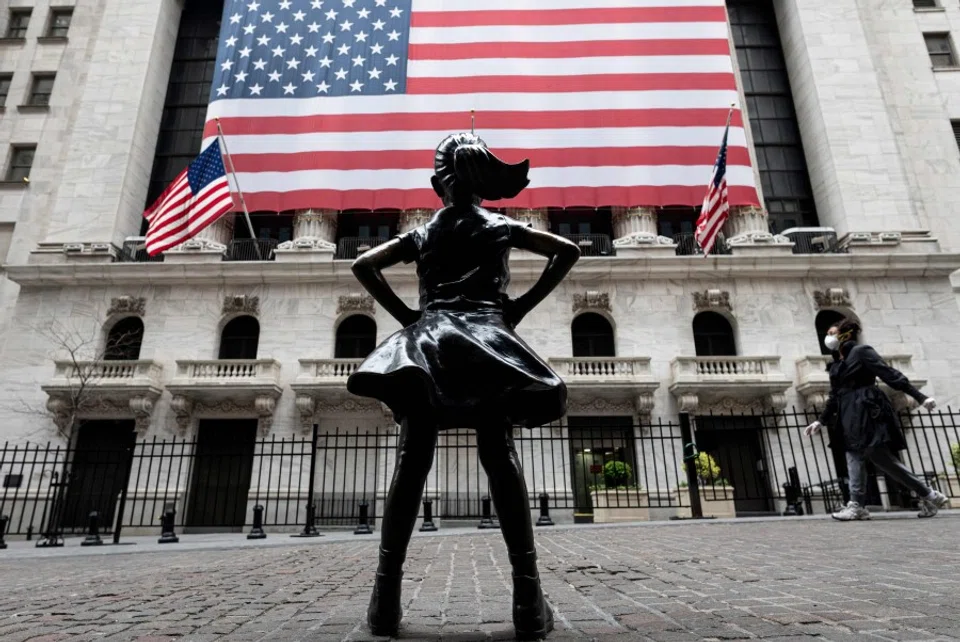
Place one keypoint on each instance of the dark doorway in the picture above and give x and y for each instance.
(595, 441)
(222, 468)
(713, 335)
(356, 337)
(240, 339)
(124, 340)
(592, 336)
(825, 320)
(99, 471)
(736, 445)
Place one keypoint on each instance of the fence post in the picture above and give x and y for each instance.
(686, 436)
(363, 523)
(792, 491)
(428, 526)
(123, 496)
(51, 536)
(167, 534)
(309, 527)
(486, 519)
(93, 531)
(257, 531)
(544, 519)
(3, 529)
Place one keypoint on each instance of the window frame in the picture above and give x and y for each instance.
(35, 80)
(950, 51)
(56, 12)
(11, 166)
(8, 77)
(14, 13)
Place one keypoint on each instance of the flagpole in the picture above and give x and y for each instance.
(243, 203)
(725, 129)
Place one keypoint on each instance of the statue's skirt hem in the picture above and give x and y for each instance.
(461, 370)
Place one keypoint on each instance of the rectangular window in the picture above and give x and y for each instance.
(940, 50)
(956, 131)
(41, 89)
(925, 4)
(5, 80)
(17, 27)
(59, 23)
(20, 162)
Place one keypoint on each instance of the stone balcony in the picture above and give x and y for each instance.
(322, 386)
(104, 390)
(813, 382)
(748, 381)
(607, 383)
(226, 387)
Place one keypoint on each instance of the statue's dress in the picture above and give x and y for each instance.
(460, 365)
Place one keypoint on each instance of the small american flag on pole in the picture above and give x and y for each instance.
(716, 204)
(195, 199)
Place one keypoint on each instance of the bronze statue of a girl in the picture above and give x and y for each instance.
(457, 363)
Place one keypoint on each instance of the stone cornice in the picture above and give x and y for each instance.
(524, 266)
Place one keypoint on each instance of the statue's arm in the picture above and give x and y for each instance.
(368, 268)
(561, 254)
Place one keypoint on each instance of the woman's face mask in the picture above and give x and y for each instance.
(831, 341)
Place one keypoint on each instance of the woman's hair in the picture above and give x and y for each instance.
(466, 168)
(848, 326)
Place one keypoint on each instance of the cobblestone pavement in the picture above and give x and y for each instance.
(890, 579)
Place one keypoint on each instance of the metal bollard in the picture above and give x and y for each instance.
(363, 524)
(3, 529)
(309, 528)
(257, 531)
(93, 531)
(428, 526)
(486, 519)
(544, 519)
(167, 536)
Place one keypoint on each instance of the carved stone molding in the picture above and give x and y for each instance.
(349, 406)
(262, 406)
(241, 304)
(308, 243)
(600, 405)
(140, 407)
(307, 408)
(832, 298)
(183, 412)
(127, 305)
(355, 303)
(88, 249)
(643, 403)
(200, 244)
(591, 301)
(688, 403)
(712, 300)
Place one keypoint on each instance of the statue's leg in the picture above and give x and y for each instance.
(532, 616)
(418, 440)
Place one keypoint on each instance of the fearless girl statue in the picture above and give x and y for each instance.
(458, 363)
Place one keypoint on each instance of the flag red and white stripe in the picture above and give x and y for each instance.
(615, 102)
(716, 204)
(196, 198)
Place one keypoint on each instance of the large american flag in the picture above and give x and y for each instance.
(716, 204)
(340, 104)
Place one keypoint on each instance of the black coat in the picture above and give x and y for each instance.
(858, 415)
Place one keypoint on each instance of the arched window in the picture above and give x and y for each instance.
(713, 335)
(592, 336)
(124, 340)
(824, 321)
(356, 337)
(240, 339)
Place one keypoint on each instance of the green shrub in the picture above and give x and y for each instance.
(955, 455)
(616, 474)
(708, 472)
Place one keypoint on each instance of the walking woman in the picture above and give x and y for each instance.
(864, 421)
(458, 363)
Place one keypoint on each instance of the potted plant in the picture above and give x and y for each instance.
(716, 493)
(952, 486)
(616, 499)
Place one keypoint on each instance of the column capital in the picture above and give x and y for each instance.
(411, 219)
(636, 227)
(748, 232)
(538, 219)
(314, 234)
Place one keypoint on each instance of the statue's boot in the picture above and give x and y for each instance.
(385, 612)
(532, 617)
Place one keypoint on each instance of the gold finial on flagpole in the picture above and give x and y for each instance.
(473, 121)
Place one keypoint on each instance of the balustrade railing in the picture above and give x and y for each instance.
(233, 369)
(328, 368)
(724, 367)
(579, 368)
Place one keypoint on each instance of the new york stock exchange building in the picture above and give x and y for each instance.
(210, 379)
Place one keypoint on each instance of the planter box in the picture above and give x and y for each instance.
(716, 501)
(950, 486)
(620, 506)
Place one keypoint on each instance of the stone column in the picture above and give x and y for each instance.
(536, 218)
(635, 231)
(411, 219)
(208, 246)
(747, 231)
(314, 237)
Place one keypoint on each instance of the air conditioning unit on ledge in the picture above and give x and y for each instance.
(813, 240)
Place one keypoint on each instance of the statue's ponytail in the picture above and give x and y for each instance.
(465, 166)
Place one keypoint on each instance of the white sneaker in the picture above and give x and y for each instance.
(930, 507)
(852, 511)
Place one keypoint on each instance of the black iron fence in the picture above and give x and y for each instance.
(251, 250)
(582, 470)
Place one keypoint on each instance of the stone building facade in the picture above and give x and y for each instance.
(853, 110)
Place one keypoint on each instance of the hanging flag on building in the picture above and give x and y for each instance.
(195, 199)
(340, 103)
(716, 204)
